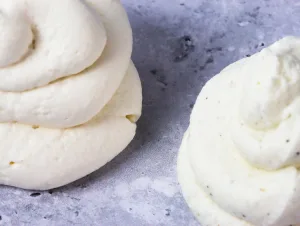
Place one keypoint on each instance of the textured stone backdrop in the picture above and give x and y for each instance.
(178, 46)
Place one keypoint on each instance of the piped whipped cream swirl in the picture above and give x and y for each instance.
(268, 130)
(241, 153)
(61, 61)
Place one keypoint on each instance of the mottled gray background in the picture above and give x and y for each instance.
(178, 46)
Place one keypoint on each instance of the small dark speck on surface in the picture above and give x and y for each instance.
(83, 186)
(259, 45)
(48, 216)
(33, 44)
(298, 153)
(254, 13)
(0, 217)
(209, 60)
(130, 209)
(160, 78)
(76, 213)
(35, 194)
(287, 141)
(216, 36)
(244, 216)
(191, 105)
(73, 198)
(50, 192)
(168, 212)
(153, 71)
(248, 55)
(213, 50)
(185, 47)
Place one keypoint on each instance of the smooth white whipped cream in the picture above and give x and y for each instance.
(15, 36)
(33, 90)
(68, 89)
(238, 161)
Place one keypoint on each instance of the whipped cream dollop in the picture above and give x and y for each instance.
(68, 87)
(238, 163)
(70, 60)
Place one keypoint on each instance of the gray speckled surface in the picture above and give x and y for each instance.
(179, 45)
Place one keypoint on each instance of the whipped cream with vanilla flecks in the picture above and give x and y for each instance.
(238, 163)
(67, 89)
